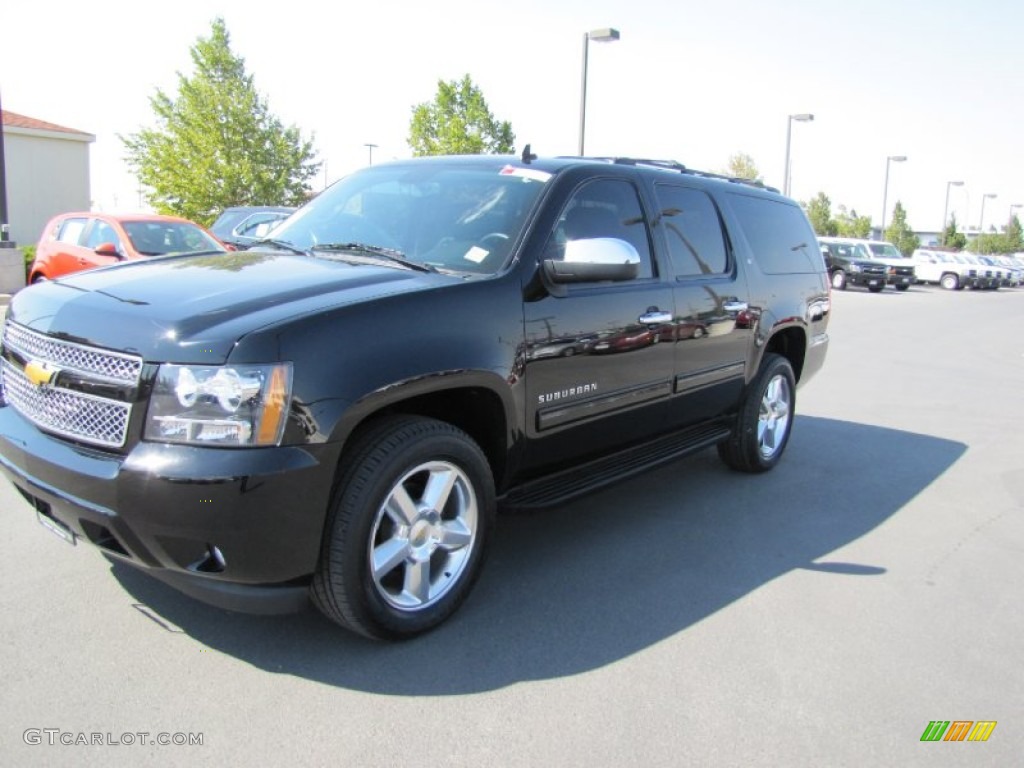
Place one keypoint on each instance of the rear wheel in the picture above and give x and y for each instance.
(408, 529)
(902, 287)
(876, 288)
(950, 282)
(765, 418)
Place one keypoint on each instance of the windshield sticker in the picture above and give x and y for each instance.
(476, 254)
(527, 174)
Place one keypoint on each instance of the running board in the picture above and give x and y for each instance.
(577, 481)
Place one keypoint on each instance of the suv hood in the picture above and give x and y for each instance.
(195, 308)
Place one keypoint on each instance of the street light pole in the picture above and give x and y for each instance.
(370, 147)
(885, 192)
(981, 224)
(804, 117)
(606, 35)
(1012, 207)
(945, 211)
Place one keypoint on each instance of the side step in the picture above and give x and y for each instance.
(577, 481)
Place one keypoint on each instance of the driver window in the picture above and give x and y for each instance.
(603, 208)
(101, 233)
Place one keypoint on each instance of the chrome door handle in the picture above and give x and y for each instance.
(655, 317)
(735, 306)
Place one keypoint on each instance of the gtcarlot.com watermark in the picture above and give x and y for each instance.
(58, 737)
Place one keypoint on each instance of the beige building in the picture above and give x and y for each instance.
(47, 170)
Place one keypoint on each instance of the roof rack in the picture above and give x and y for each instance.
(673, 165)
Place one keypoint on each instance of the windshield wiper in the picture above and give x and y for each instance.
(377, 252)
(282, 245)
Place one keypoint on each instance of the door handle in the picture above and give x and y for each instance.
(735, 306)
(655, 317)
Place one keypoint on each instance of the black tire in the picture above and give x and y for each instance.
(839, 280)
(393, 462)
(902, 287)
(762, 431)
(950, 282)
(876, 288)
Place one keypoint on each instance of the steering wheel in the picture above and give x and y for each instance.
(492, 236)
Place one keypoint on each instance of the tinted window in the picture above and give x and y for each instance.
(71, 231)
(693, 231)
(101, 233)
(604, 208)
(778, 233)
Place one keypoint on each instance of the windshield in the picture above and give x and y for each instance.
(157, 238)
(457, 217)
(885, 251)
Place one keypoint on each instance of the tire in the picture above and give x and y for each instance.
(839, 280)
(902, 287)
(765, 419)
(876, 288)
(430, 553)
(950, 282)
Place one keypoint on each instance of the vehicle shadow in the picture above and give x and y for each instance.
(575, 588)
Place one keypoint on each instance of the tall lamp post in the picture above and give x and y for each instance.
(981, 223)
(606, 35)
(1013, 206)
(885, 191)
(370, 147)
(945, 210)
(804, 117)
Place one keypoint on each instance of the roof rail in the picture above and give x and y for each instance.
(673, 165)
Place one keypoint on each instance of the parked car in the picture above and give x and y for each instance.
(899, 272)
(341, 419)
(990, 276)
(242, 226)
(846, 267)
(82, 240)
(942, 268)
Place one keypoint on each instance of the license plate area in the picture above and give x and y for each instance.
(53, 525)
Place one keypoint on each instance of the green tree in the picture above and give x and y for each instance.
(458, 122)
(819, 212)
(950, 237)
(849, 224)
(899, 232)
(216, 144)
(742, 166)
(1014, 235)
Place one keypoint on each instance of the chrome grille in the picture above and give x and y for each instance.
(111, 366)
(68, 412)
(74, 414)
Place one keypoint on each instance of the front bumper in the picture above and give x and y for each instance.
(237, 528)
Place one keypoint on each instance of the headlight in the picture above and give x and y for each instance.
(855, 267)
(236, 405)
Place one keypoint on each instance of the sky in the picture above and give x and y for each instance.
(938, 81)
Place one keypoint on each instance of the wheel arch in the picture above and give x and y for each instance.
(791, 343)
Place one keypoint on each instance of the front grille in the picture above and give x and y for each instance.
(71, 413)
(74, 414)
(112, 366)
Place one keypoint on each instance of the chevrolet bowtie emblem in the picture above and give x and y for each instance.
(40, 374)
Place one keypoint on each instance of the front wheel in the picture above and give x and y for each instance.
(950, 282)
(839, 280)
(902, 287)
(764, 420)
(408, 529)
(876, 288)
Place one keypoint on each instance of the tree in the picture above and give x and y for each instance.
(458, 122)
(1014, 235)
(849, 224)
(950, 237)
(216, 144)
(742, 166)
(899, 232)
(819, 211)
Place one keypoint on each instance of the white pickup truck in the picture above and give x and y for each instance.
(943, 268)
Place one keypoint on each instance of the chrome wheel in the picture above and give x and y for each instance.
(774, 416)
(423, 536)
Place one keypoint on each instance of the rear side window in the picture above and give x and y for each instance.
(779, 235)
(71, 231)
(693, 230)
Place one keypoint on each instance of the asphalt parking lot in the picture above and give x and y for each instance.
(822, 614)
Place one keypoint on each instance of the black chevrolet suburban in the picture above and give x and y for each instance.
(339, 412)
